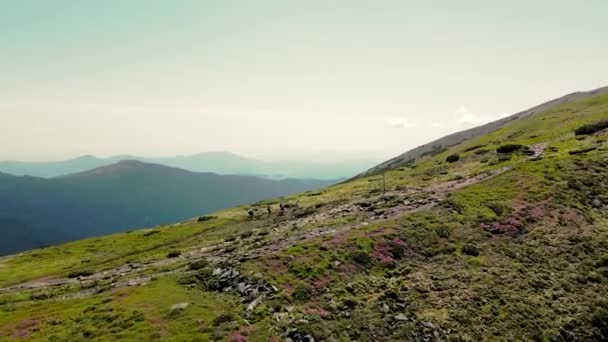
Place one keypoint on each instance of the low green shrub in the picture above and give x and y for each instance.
(301, 293)
(591, 128)
(361, 258)
(452, 158)
(469, 249)
(205, 218)
(509, 148)
(198, 264)
(174, 254)
(80, 273)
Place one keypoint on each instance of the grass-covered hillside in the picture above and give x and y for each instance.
(501, 237)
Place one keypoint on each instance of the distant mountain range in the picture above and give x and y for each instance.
(36, 212)
(219, 162)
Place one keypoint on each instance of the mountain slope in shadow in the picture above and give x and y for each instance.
(36, 212)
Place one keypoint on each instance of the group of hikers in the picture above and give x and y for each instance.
(282, 209)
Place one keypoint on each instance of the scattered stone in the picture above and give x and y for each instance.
(401, 317)
(280, 316)
(179, 307)
(252, 290)
(255, 303)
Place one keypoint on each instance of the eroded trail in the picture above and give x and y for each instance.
(284, 232)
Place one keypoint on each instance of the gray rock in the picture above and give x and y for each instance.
(255, 303)
(280, 316)
(179, 307)
(428, 325)
(401, 317)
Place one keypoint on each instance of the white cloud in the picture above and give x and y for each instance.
(465, 117)
(401, 123)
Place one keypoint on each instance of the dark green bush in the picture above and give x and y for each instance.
(443, 232)
(470, 250)
(509, 148)
(198, 264)
(80, 273)
(301, 293)
(591, 128)
(582, 151)
(205, 218)
(452, 158)
(174, 254)
(361, 258)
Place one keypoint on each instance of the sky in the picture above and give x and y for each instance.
(298, 80)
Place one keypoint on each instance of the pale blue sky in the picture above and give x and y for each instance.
(320, 79)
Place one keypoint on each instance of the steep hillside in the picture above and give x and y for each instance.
(440, 145)
(501, 237)
(224, 163)
(37, 212)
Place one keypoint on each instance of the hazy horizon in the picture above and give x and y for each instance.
(324, 158)
(276, 80)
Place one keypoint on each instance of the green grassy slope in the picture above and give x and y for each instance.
(493, 246)
(456, 138)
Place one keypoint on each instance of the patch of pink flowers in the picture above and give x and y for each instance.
(238, 337)
(382, 253)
